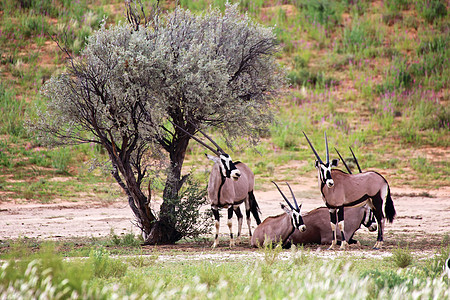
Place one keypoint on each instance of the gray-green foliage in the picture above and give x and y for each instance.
(189, 64)
(211, 69)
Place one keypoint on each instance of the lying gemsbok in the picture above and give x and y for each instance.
(340, 190)
(278, 229)
(319, 230)
(230, 184)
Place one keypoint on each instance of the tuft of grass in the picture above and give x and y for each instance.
(402, 257)
(434, 265)
(362, 38)
(432, 10)
(104, 266)
(272, 252)
(126, 240)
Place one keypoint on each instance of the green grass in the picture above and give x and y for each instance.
(376, 84)
(273, 273)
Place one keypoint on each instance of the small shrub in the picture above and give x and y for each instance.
(402, 257)
(189, 221)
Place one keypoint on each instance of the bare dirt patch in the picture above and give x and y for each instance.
(423, 218)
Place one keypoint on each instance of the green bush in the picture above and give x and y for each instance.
(402, 257)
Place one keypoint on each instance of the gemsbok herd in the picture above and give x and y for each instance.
(358, 197)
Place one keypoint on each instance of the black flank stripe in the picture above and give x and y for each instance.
(364, 198)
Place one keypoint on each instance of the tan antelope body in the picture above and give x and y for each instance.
(341, 190)
(275, 229)
(230, 184)
(317, 222)
(229, 193)
(278, 229)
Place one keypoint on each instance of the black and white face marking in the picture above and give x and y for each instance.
(369, 220)
(228, 168)
(298, 221)
(325, 172)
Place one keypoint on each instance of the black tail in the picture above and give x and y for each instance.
(254, 207)
(389, 208)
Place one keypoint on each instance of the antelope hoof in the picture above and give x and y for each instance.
(344, 245)
(378, 245)
(333, 246)
(214, 245)
(232, 243)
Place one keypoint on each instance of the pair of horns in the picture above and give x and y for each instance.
(285, 199)
(219, 150)
(314, 150)
(343, 161)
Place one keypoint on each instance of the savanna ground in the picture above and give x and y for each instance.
(422, 222)
(372, 74)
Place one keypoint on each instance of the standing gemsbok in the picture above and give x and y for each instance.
(278, 229)
(230, 184)
(340, 189)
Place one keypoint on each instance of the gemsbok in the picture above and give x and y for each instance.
(340, 190)
(230, 184)
(319, 230)
(279, 228)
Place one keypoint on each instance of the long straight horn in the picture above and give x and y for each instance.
(197, 139)
(293, 196)
(285, 199)
(314, 150)
(326, 146)
(343, 161)
(209, 138)
(356, 161)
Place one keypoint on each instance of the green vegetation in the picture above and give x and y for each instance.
(375, 77)
(269, 272)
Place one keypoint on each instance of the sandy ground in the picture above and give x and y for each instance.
(418, 216)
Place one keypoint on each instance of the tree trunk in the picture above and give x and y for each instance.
(164, 231)
(137, 201)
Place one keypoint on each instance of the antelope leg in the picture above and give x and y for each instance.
(379, 216)
(230, 225)
(333, 228)
(240, 217)
(217, 218)
(340, 214)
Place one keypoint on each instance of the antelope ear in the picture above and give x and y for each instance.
(212, 157)
(317, 165)
(334, 162)
(284, 207)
